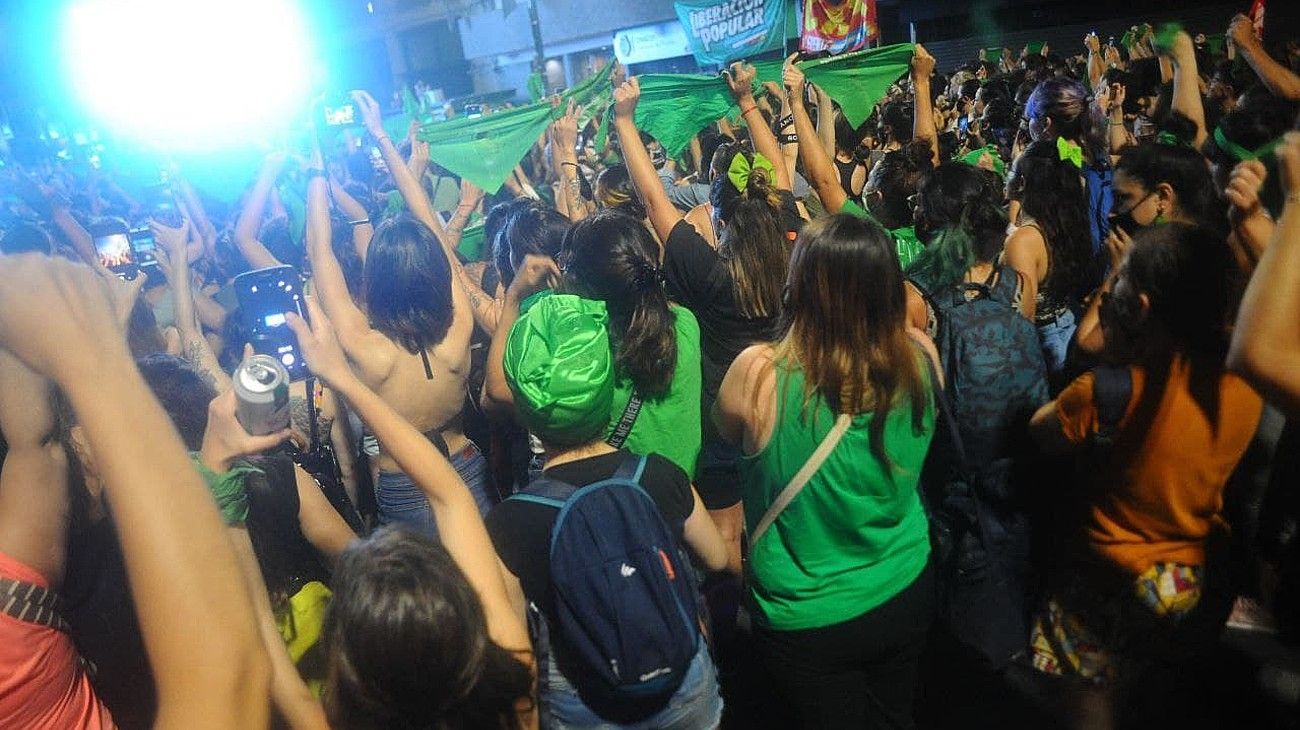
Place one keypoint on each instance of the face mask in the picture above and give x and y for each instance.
(1124, 222)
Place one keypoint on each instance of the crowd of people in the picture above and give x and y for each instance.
(985, 412)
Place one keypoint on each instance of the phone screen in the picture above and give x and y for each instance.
(963, 125)
(142, 242)
(340, 116)
(116, 254)
(473, 111)
(265, 297)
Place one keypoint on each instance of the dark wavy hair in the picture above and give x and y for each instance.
(896, 118)
(407, 284)
(498, 216)
(533, 229)
(611, 257)
(752, 241)
(1051, 192)
(184, 393)
(407, 646)
(959, 217)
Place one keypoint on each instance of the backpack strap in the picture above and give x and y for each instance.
(1112, 387)
(801, 478)
(626, 421)
(546, 491)
(631, 469)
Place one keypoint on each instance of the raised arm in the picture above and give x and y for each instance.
(328, 281)
(174, 257)
(33, 480)
(461, 528)
(1266, 342)
(57, 317)
(564, 140)
(817, 165)
(363, 229)
(923, 115)
(661, 211)
(1187, 88)
(740, 79)
(825, 121)
(1277, 78)
(535, 273)
(250, 218)
(1096, 64)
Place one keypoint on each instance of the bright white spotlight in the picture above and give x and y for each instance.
(188, 73)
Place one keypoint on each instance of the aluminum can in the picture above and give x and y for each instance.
(262, 395)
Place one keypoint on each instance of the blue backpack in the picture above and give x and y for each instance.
(624, 601)
(979, 529)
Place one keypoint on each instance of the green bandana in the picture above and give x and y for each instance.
(740, 170)
(560, 368)
(975, 157)
(1069, 152)
(1239, 153)
(228, 489)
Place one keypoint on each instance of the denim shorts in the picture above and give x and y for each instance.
(1054, 338)
(696, 705)
(400, 501)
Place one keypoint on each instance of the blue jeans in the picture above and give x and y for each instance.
(400, 501)
(696, 705)
(1054, 338)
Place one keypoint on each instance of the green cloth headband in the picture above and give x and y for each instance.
(973, 158)
(1069, 152)
(1239, 153)
(560, 368)
(739, 170)
(228, 489)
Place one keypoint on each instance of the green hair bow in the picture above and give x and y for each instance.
(1239, 153)
(740, 169)
(1070, 152)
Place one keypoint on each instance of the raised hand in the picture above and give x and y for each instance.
(534, 274)
(1092, 43)
(793, 78)
(225, 439)
(371, 115)
(922, 63)
(740, 79)
(626, 97)
(565, 129)
(1243, 189)
(320, 345)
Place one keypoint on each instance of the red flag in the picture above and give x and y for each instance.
(837, 26)
(1257, 17)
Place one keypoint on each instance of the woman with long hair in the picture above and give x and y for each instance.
(839, 591)
(1050, 245)
(735, 290)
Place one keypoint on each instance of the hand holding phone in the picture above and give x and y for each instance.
(116, 255)
(266, 296)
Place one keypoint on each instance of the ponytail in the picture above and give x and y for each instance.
(610, 257)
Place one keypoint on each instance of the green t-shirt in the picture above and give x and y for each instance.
(670, 425)
(908, 245)
(856, 535)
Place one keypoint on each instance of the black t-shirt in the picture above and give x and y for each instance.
(699, 279)
(521, 531)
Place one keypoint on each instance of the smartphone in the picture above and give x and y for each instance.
(265, 297)
(963, 125)
(342, 115)
(144, 246)
(116, 255)
(473, 111)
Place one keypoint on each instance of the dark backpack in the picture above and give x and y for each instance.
(624, 602)
(995, 379)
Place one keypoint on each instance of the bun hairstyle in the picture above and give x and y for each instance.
(1066, 103)
(752, 241)
(611, 257)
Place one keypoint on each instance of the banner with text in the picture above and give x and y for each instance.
(721, 32)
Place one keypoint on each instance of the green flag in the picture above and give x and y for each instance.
(675, 107)
(486, 149)
(859, 80)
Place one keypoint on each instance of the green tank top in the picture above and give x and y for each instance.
(856, 535)
(669, 425)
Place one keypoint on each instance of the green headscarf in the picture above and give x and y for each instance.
(560, 368)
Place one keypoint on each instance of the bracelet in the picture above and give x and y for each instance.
(752, 107)
(571, 164)
(359, 222)
(789, 139)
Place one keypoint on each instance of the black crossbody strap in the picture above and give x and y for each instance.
(625, 422)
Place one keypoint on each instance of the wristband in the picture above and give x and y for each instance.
(570, 164)
(752, 107)
(359, 222)
(785, 121)
(789, 138)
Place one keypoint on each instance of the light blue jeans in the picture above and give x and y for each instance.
(1054, 338)
(696, 705)
(400, 501)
